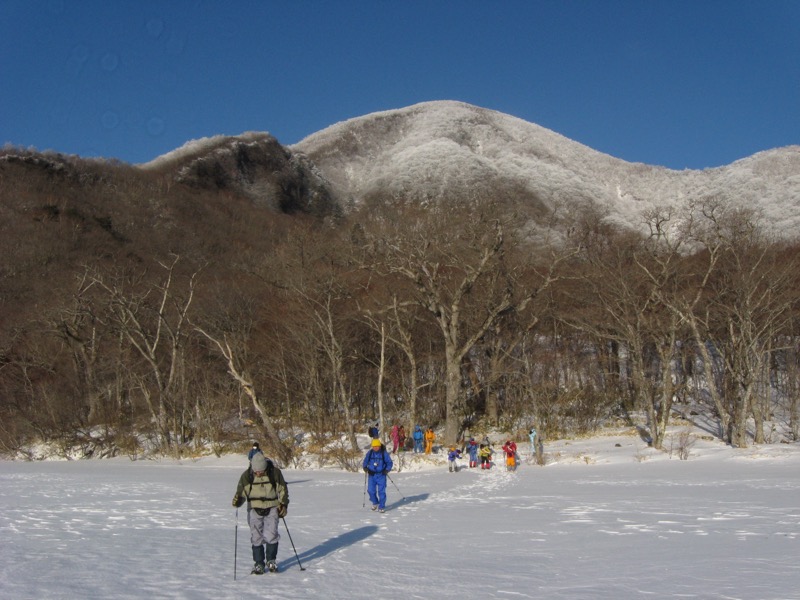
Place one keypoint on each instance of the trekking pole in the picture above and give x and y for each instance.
(235, 542)
(364, 503)
(302, 568)
(395, 486)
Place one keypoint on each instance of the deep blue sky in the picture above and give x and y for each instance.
(679, 83)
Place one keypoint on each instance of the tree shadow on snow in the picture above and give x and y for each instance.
(332, 545)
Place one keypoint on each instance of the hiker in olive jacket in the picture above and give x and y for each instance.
(264, 488)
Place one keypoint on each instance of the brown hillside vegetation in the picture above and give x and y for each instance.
(175, 307)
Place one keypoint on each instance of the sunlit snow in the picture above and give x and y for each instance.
(607, 518)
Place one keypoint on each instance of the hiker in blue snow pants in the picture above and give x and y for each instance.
(377, 463)
(418, 437)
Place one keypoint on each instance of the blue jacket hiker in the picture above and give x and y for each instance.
(377, 463)
(373, 432)
(253, 451)
(472, 448)
(452, 456)
(418, 438)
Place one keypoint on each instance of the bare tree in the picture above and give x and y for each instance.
(311, 274)
(320, 308)
(632, 281)
(459, 274)
(737, 305)
(153, 320)
(749, 307)
(272, 443)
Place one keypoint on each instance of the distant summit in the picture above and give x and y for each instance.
(439, 150)
(445, 151)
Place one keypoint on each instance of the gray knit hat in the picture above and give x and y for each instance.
(258, 462)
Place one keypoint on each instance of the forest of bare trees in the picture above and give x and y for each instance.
(188, 320)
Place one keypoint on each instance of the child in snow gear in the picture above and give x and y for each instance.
(377, 463)
(418, 437)
(452, 456)
(485, 454)
(472, 449)
(264, 488)
(429, 439)
(510, 449)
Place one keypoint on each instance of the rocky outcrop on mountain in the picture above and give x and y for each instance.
(253, 165)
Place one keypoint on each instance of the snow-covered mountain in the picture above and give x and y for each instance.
(438, 150)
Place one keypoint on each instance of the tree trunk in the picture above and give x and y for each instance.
(452, 393)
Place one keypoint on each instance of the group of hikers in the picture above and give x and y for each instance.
(420, 441)
(482, 452)
(264, 489)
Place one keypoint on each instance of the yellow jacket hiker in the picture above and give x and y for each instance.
(429, 438)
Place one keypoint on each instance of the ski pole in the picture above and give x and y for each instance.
(364, 503)
(302, 568)
(395, 486)
(235, 542)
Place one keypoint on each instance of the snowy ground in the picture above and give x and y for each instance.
(607, 518)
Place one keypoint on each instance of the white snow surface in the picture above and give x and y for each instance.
(607, 518)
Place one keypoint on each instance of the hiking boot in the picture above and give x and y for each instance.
(374, 507)
(258, 569)
(272, 566)
(382, 510)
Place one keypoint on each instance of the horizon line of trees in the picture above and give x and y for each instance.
(456, 316)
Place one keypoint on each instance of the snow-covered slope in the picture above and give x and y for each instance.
(447, 149)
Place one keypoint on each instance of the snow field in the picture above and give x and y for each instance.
(724, 524)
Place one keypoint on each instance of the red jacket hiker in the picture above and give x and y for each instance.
(510, 448)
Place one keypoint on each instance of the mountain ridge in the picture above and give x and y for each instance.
(444, 150)
(408, 151)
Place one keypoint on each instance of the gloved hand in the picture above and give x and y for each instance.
(237, 501)
(366, 470)
(282, 510)
(385, 471)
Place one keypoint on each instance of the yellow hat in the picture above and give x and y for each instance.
(376, 442)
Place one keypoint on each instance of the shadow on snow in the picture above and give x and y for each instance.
(332, 545)
(408, 500)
